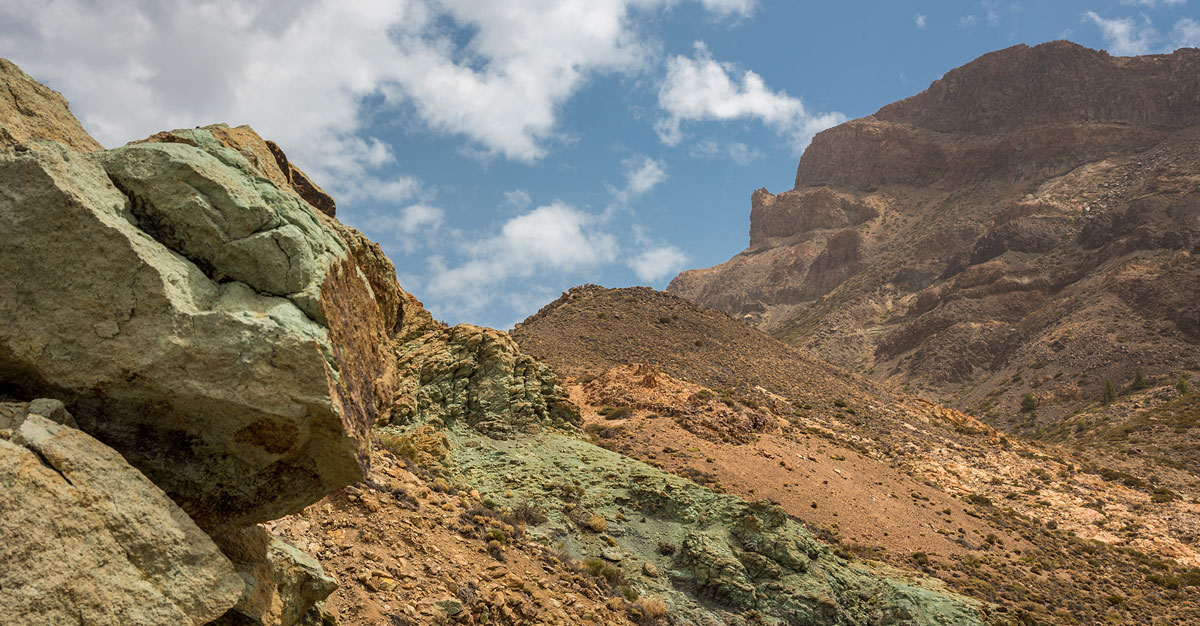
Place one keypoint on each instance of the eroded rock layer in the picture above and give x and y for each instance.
(1028, 224)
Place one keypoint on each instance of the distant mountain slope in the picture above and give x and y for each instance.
(876, 472)
(1027, 225)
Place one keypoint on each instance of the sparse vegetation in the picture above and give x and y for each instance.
(1110, 392)
(1029, 404)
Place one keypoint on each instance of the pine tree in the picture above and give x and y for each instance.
(1182, 385)
(1029, 403)
(1139, 380)
(1110, 391)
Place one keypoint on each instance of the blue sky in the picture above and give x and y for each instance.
(502, 152)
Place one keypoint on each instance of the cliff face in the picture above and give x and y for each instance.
(1030, 207)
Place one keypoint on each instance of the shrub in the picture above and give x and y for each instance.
(1182, 386)
(616, 412)
(652, 607)
(1110, 391)
(597, 523)
(977, 499)
(1029, 403)
(531, 514)
(1162, 494)
(604, 569)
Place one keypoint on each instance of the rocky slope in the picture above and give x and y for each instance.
(194, 345)
(877, 472)
(1027, 225)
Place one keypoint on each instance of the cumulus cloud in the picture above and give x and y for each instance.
(1127, 36)
(920, 21)
(656, 264)
(699, 88)
(493, 73)
(554, 238)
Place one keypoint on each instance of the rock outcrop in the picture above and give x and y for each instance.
(478, 377)
(30, 110)
(1002, 218)
(88, 539)
(282, 583)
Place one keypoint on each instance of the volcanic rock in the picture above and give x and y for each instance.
(88, 539)
(282, 583)
(477, 376)
(196, 317)
(30, 110)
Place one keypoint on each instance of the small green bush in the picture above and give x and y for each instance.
(1029, 404)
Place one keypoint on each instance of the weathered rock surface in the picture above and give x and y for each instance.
(85, 538)
(727, 560)
(30, 110)
(1002, 218)
(266, 157)
(282, 584)
(215, 331)
(477, 376)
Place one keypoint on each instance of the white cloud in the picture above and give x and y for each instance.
(409, 227)
(645, 175)
(642, 174)
(517, 199)
(736, 151)
(1152, 3)
(658, 263)
(726, 8)
(494, 73)
(702, 89)
(920, 21)
(1186, 34)
(1126, 36)
(555, 238)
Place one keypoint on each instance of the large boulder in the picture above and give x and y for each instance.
(208, 324)
(86, 539)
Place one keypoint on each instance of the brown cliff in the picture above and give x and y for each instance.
(1028, 224)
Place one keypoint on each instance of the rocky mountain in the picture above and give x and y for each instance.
(883, 474)
(1028, 225)
(217, 405)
